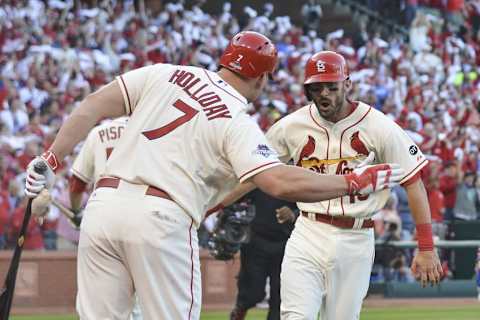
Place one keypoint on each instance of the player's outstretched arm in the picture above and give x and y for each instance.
(426, 265)
(237, 193)
(107, 102)
(297, 184)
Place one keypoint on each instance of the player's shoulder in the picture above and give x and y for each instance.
(379, 121)
(301, 115)
(373, 114)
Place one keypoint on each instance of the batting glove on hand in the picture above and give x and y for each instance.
(372, 178)
(36, 181)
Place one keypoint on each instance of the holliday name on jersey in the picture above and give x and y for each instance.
(197, 90)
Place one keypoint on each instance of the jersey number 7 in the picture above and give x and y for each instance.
(189, 113)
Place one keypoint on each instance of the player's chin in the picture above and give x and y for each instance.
(325, 112)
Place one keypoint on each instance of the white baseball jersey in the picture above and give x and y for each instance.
(337, 148)
(92, 158)
(188, 135)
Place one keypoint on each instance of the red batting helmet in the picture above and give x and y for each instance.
(326, 66)
(249, 54)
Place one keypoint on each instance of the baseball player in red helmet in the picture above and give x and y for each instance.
(328, 258)
(187, 143)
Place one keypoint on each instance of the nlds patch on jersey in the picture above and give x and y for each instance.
(413, 149)
(264, 150)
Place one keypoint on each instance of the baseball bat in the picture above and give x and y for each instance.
(64, 210)
(6, 294)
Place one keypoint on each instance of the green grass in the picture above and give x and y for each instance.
(414, 313)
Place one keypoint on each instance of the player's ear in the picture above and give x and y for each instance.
(348, 84)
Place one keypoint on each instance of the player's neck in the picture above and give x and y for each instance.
(237, 82)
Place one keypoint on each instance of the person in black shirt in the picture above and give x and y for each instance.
(261, 257)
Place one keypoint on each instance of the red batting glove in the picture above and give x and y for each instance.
(369, 179)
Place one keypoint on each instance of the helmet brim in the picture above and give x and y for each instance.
(325, 78)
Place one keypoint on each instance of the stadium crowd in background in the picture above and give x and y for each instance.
(53, 54)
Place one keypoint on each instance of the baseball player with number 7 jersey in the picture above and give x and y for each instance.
(328, 258)
(187, 143)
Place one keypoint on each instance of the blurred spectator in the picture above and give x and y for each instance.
(400, 269)
(437, 206)
(311, 14)
(467, 203)
(404, 211)
(448, 186)
(410, 11)
(387, 217)
(32, 149)
(419, 33)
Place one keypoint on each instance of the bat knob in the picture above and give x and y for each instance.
(40, 167)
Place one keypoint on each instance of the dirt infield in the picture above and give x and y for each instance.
(377, 301)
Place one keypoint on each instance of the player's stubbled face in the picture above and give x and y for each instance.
(328, 97)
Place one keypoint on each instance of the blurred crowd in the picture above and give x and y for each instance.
(54, 53)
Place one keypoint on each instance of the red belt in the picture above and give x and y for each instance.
(340, 222)
(114, 182)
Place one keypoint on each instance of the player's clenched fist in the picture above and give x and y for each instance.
(36, 181)
(369, 179)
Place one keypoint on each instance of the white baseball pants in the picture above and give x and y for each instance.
(132, 242)
(325, 270)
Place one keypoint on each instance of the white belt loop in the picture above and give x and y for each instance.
(311, 216)
(358, 223)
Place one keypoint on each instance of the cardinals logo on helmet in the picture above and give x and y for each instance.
(307, 150)
(357, 144)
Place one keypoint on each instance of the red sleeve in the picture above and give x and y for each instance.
(76, 185)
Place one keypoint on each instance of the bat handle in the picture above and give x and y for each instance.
(40, 167)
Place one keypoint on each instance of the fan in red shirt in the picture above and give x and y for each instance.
(448, 186)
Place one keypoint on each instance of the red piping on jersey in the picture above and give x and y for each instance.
(128, 96)
(341, 138)
(412, 180)
(413, 172)
(208, 76)
(263, 165)
(191, 270)
(328, 145)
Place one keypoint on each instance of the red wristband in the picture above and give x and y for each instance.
(425, 237)
(218, 207)
(51, 159)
